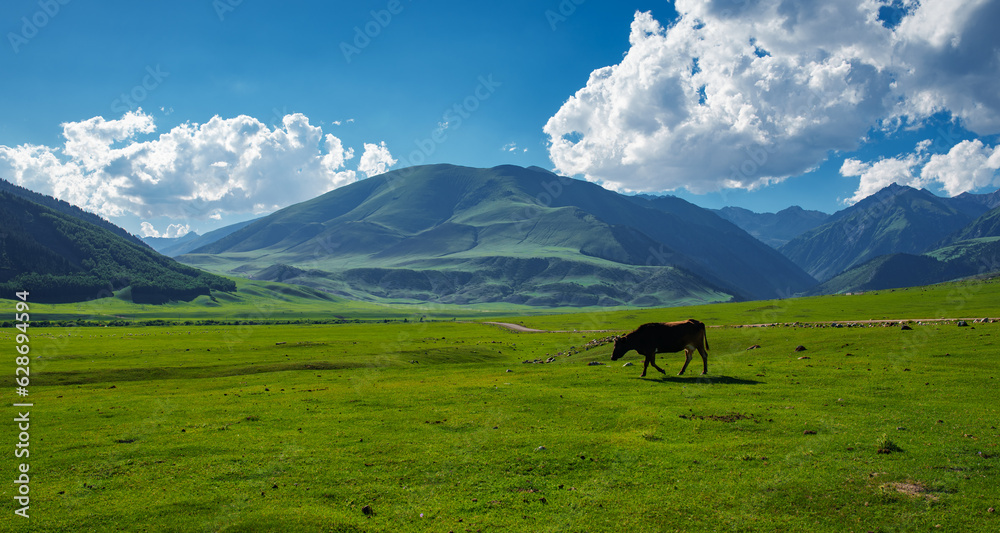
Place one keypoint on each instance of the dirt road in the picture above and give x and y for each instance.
(895, 321)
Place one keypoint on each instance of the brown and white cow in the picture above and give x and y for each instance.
(660, 337)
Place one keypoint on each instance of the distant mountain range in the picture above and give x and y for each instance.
(774, 229)
(895, 220)
(971, 251)
(174, 246)
(454, 234)
(450, 234)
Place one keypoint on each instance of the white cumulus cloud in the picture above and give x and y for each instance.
(746, 93)
(375, 160)
(173, 230)
(234, 165)
(969, 165)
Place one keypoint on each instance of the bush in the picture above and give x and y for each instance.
(885, 445)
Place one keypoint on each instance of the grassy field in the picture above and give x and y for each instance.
(966, 299)
(439, 426)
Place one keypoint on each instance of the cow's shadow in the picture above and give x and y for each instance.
(700, 380)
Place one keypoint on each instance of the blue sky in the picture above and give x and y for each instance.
(247, 106)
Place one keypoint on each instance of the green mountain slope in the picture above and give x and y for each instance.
(895, 220)
(453, 223)
(61, 258)
(988, 225)
(962, 259)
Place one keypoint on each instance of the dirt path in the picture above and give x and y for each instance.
(523, 329)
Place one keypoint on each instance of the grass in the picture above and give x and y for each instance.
(276, 302)
(965, 299)
(301, 427)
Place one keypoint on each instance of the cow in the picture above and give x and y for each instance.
(648, 339)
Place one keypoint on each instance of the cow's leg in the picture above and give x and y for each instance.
(652, 361)
(645, 365)
(704, 359)
(688, 352)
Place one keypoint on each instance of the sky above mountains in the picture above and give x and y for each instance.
(189, 115)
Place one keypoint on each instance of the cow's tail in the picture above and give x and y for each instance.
(704, 333)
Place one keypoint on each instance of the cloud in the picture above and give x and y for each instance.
(884, 172)
(197, 171)
(948, 55)
(375, 160)
(743, 94)
(969, 165)
(173, 231)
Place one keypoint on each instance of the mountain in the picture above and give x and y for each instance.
(895, 220)
(990, 200)
(165, 245)
(191, 241)
(446, 233)
(987, 225)
(774, 229)
(889, 272)
(961, 260)
(722, 245)
(970, 251)
(59, 257)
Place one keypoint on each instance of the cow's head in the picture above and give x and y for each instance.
(621, 346)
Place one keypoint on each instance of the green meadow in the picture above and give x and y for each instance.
(439, 425)
(267, 302)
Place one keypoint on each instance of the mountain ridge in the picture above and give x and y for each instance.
(897, 219)
(447, 217)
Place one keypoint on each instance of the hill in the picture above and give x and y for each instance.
(895, 220)
(65, 208)
(774, 229)
(58, 257)
(454, 234)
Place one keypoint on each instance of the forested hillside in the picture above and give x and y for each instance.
(60, 258)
